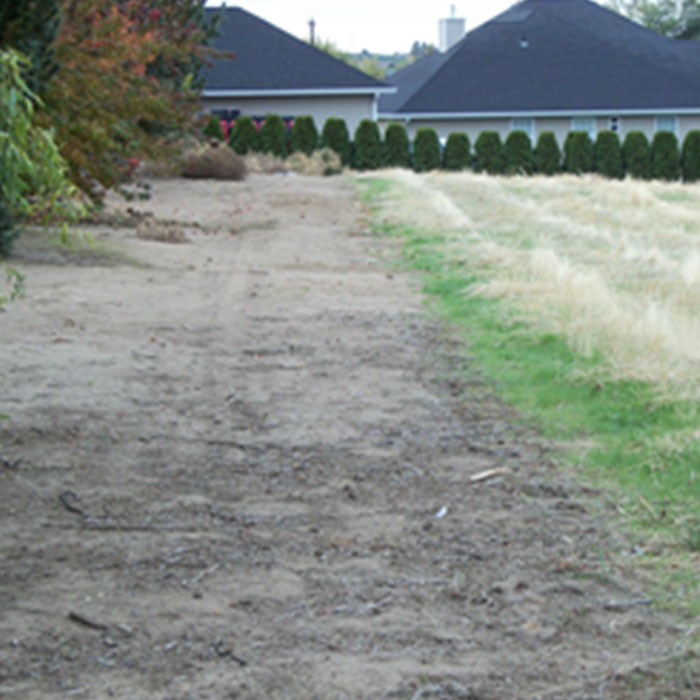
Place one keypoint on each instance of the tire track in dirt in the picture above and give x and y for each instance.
(271, 446)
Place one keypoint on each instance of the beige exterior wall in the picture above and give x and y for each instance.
(559, 125)
(352, 108)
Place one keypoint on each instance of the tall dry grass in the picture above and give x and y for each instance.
(612, 266)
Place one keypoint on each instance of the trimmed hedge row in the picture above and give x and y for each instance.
(663, 158)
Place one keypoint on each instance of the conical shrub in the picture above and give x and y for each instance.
(273, 135)
(335, 135)
(636, 155)
(304, 135)
(547, 154)
(396, 147)
(457, 155)
(367, 152)
(488, 153)
(607, 155)
(518, 153)
(426, 150)
(690, 156)
(244, 137)
(665, 157)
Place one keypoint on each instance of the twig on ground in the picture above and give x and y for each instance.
(488, 474)
(86, 622)
(224, 653)
(616, 605)
(648, 507)
(68, 499)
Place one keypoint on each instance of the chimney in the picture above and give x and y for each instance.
(312, 31)
(450, 30)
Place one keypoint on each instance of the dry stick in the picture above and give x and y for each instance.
(86, 622)
(66, 497)
(625, 604)
(488, 474)
(646, 504)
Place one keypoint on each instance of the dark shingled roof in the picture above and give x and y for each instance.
(268, 58)
(409, 79)
(557, 55)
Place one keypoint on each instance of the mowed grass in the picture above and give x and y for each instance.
(580, 298)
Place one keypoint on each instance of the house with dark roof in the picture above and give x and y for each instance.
(274, 72)
(552, 65)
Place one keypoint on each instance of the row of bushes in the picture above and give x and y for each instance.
(662, 159)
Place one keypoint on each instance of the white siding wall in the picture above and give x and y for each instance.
(352, 108)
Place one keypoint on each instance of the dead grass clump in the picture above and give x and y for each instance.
(214, 163)
(320, 163)
(151, 229)
(264, 164)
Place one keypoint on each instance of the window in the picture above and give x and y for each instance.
(584, 124)
(666, 124)
(526, 125)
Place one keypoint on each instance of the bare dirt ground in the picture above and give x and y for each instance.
(242, 470)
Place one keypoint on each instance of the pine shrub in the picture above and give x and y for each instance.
(273, 136)
(488, 152)
(607, 155)
(335, 135)
(396, 147)
(368, 150)
(426, 150)
(8, 230)
(690, 156)
(457, 155)
(636, 155)
(578, 152)
(212, 129)
(547, 154)
(665, 157)
(244, 137)
(304, 135)
(518, 153)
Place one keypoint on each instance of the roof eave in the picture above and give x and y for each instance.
(298, 92)
(507, 114)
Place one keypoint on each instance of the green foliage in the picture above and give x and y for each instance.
(335, 135)
(244, 137)
(665, 157)
(578, 152)
(8, 230)
(368, 152)
(678, 19)
(488, 151)
(636, 155)
(426, 150)
(396, 147)
(32, 176)
(13, 289)
(690, 156)
(547, 154)
(30, 27)
(212, 129)
(607, 155)
(365, 62)
(304, 135)
(457, 155)
(518, 153)
(273, 135)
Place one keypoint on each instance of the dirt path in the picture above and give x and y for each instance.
(244, 472)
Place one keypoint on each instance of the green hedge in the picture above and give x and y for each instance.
(426, 150)
(578, 153)
(690, 157)
(665, 157)
(367, 146)
(518, 153)
(607, 155)
(488, 153)
(547, 154)
(304, 135)
(212, 129)
(396, 152)
(273, 135)
(457, 153)
(335, 135)
(636, 155)
(244, 137)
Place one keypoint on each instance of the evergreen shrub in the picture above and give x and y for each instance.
(547, 154)
(607, 155)
(396, 147)
(273, 136)
(212, 129)
(690, 156)
(244, 137)
(335, 135)
(665, 156)
(636, 155)
(304, 135)
(518, 154)
(488, 153)
(578, 152)
(426, 150)
(368, 149)
(457, 155)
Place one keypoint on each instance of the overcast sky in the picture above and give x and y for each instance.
(380, 26)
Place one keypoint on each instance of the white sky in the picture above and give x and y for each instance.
(380, 26)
